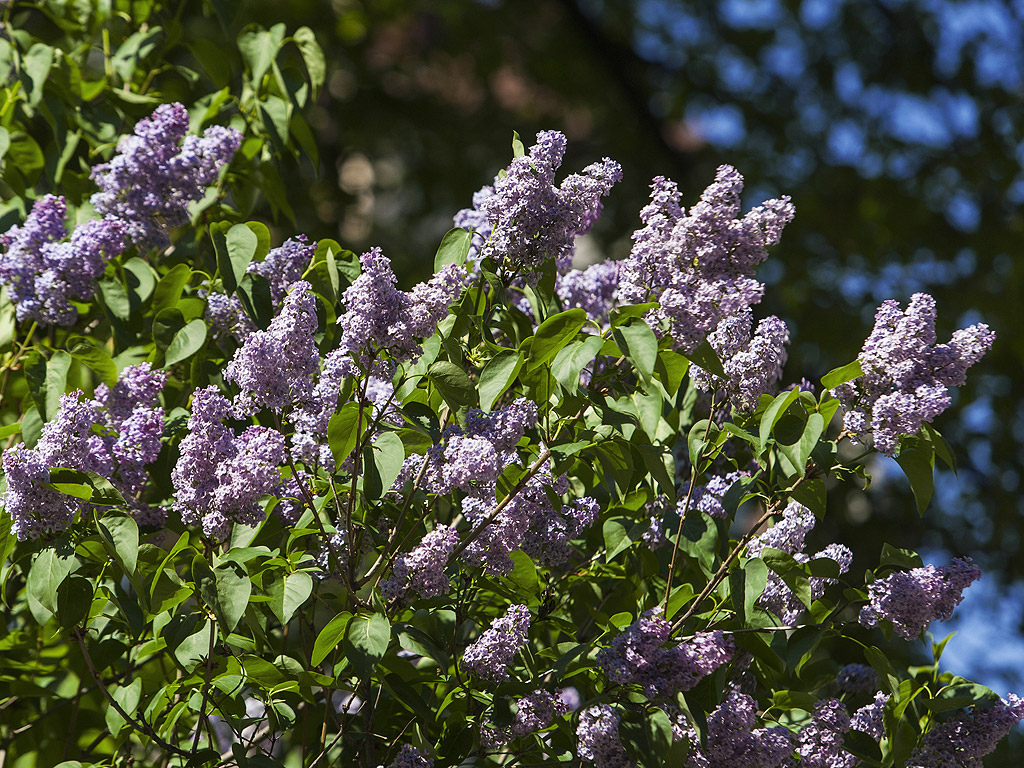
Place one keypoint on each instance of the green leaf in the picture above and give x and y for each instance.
(755, 579)
(366, 641)
(166, 323)
(620, 533)
(74, 599)
(572, 359)
(121, 538)
(454, 249)
(329, 637)
(95, 358)
(800, 452)
(226, 589)
(917, 459)
(388, 457)
(186, 342)
(341, 432)
(497, 375)
(706, 357)
(36, 64)
(452, 382)
(169, 288)
(312, 55)
(235, 250)
(524, 578)
(841, 375)
(553, 334)
(259, 48)
(641, 346)
(774, 412)
(196, 646)
(288, 593)
(518, 149)
(56, 382)
(48, 571)
(127, 697)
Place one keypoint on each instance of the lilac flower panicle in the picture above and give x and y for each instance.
(422, 569)
(911, 600)
(906, 374)
(410, 757)
(597, 738)
(786, 535)
(732, 739)
(753, 364)
(489, 656)
(637, 656)
(44, 273)
(698, 265)
(226, 317)
(525, 218)
(593, 290)
(870, 718)
(963, 741)
(534, 712)
(820, 742)
(158, 171)
(284, 265)
(276, 368)
(854, 678)
(35, 510)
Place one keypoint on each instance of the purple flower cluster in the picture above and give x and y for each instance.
(275, 368)
(158, 171)
(422, 569)
(699, 265)
(533, 713)
(963, 741)
(733, 740)
(753, 364)
(410, 757)
(381, 318)
(285, 265)
(43, 272)
(115, 435)
(788, 536)
(870, 718)
(820, 742)
(854, 678)
(638, 655)
(906, 374)
(597, 738)
(593, 290)
(225, 316)
(220, 477)
(911, 600)
(528, 220)
(489, 656)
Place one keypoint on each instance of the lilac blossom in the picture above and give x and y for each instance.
(911, 600)
(422, 569)
(698, 265)
(752, 364)
(276, 368)
(593, 290)
(410, 757)
(381, 318)
(906, 374)
(158, 171)
(220, 477)
(870, 718)
(43, 272)
(226, 317)
(284, 265)
(820, 741)
(638, 656)
(534, 712)
(597, 738)
(526, 219)
(489, 656)
(733, 740)
(854, 678)
(963, 741)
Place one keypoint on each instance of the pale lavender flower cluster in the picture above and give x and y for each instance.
(381, 318)
(963, 741)
(753, 363)
(225, 316)
(285, 265)
(528, 220)
(115, 435)
(489, 656)
(733, 740)
(854, 678)
(422, 569)
(275, 368)
(533, 713)
(788, 536)
(911, 600)
(906, 374)
(707, 498)
(220, 477)
(638, 656)
(593, 290)
(820, 742)
(597, 738)
(43, 272)
(870, 718)
(158, 171)
(698, 265)
(410, 757)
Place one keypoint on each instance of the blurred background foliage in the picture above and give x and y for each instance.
(895, 125)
